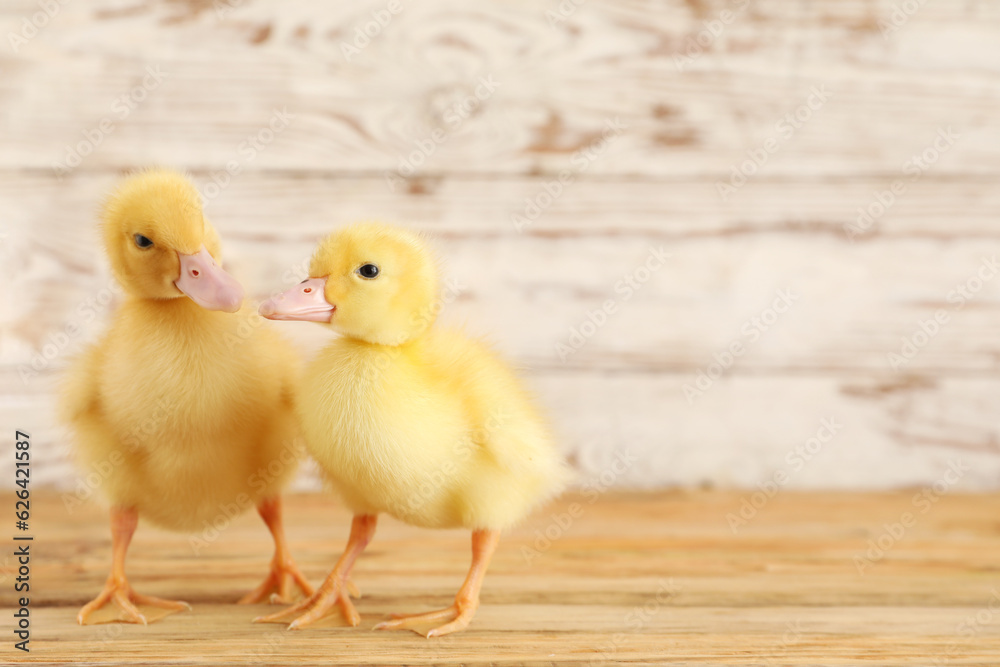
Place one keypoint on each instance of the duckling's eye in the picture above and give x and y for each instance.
(143, 241)
(368, 271)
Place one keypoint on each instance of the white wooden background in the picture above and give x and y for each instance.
(225, 69)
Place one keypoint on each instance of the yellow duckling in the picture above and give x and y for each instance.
(190, 408)
(408, 419)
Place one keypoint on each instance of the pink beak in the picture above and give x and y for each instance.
(207, 284)
(305, 302)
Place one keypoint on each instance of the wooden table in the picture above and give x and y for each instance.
(631, 578)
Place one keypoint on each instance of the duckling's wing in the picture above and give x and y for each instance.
(502, 412)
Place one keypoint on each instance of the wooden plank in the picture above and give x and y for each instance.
(304, 206)
(633, 579)
(745, 431)
(849, 305)
(558, 86)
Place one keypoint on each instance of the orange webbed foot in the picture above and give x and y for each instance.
(459, 616)
(119, 591)
(277, 587)
(317, 605)
(460, 613)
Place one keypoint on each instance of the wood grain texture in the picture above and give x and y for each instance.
(853, 302)
(625, 388)
(892, 433)
(633, 579)
(558, 84)
(219, 71)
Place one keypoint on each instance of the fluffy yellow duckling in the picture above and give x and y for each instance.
(189, 407)
(409, 419)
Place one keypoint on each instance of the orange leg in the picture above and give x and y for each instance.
(336, 587)
(277, 587)
(117, 588)
(459, 614)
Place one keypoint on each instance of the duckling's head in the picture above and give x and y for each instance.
(160, 245)
(369, 281)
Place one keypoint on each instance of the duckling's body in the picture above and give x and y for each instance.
(436, 432)
(199, 411)
(191, 407)
(409, 419)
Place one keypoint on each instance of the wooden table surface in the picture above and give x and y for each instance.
(641, 579)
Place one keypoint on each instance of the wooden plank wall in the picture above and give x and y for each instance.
(741, 138)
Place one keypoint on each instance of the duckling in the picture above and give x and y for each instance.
(190, 405)
(409, 419)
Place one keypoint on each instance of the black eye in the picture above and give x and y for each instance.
(368, 271)
(142, 241)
